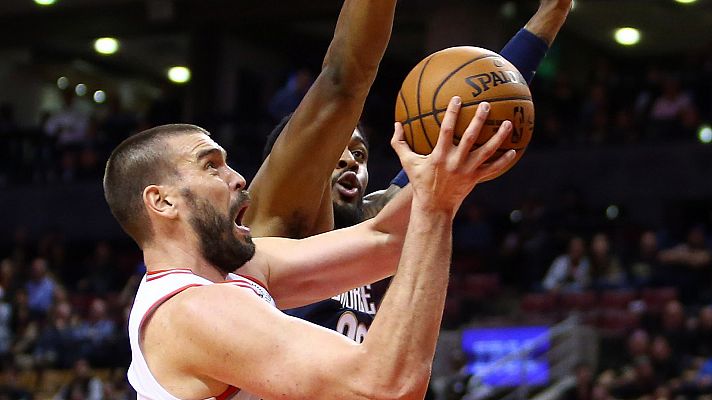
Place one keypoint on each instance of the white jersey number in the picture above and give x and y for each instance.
(349, 326)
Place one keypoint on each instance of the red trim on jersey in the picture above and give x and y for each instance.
(162, 300)
(257, 281)
(153, 278)
(242, 285)
(167, 270)
(227, 393)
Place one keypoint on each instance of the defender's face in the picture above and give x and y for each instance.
(350, 177)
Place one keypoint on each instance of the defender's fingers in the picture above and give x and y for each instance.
(487, 150)
(502, 163)
(473, 130)
(447, 128)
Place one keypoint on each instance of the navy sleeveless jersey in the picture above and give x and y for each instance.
(350, 313)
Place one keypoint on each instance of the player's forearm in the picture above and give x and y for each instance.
(402, 338)
(549, 19)
(360, 39)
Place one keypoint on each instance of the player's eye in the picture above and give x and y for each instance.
(359, 155)
(210, 165)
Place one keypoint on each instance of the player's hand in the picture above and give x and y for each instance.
(443, 178)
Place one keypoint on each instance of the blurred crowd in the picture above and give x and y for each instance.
(64, 307)
(613, 102)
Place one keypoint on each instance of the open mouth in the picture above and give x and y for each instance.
(348, 185)
(238, 219)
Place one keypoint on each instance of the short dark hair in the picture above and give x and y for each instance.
(277, 130)
(140, 161)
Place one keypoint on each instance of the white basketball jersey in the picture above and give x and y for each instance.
(155, 288)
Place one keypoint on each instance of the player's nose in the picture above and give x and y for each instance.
(347, 160)
(236, 181)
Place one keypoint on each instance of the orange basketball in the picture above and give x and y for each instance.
(476, 75)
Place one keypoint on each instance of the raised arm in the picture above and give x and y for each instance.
(548, 19)
(525, 50)
(243, 342)
(288, 188)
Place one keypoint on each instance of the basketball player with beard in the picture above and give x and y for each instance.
(352, 312)
(199, 330)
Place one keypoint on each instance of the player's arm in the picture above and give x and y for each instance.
(528, 46)
(277, 356)
(367, 252)
(288, 189)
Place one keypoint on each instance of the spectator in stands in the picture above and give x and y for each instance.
(101, 271)
(702, 341)
(570, 271)
(11, 387)
(83, 386)
(70, 125)
(688, 265)
(644, 266)
(637, 381)
(25, 329)
(606, 267)
(40, 288)
(288, 97)
(96, 334)
(117, 125)
(638, 344)
(673, 327)
(672, 110)
(56, 345)
(583, 390)
(472, 234)
(666, 364)
(5, 325)
(8, 278)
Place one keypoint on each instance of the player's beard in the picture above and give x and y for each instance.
(348, 214)
(215, 231)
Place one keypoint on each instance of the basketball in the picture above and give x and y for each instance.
(476, 75)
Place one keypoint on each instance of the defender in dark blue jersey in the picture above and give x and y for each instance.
(351, 313)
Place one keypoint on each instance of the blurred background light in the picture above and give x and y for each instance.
(62, 82)
(627, 36)
(45, 2)
(612, 212)
(99, 96)
(179, 74)
(515, 216)
(705, 134)
(106, 45)
(685, 1)
(80, 89)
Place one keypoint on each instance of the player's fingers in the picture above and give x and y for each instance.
(486, 151)
(398, 141)
(473, 130)
(447, 128)
(502, 163)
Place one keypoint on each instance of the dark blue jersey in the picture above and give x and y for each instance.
(350, 313)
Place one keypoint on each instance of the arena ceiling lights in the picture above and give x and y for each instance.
(627, 36)
(106, 45)
(179, 74)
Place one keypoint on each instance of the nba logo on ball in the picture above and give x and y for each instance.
(476, 75)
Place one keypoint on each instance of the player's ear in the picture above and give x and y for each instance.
(160, 200)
